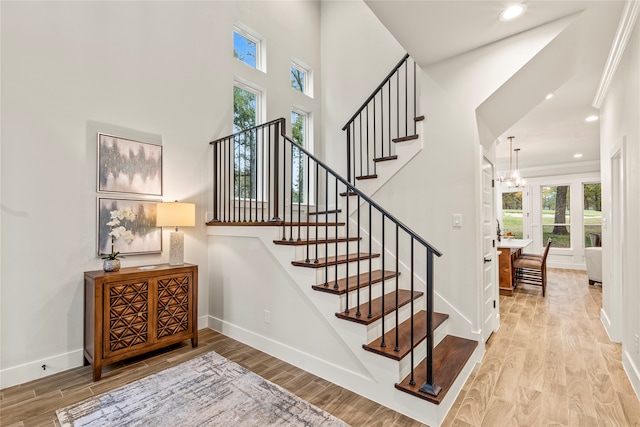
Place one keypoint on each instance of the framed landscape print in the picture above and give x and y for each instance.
(127, 166)
(138, 217)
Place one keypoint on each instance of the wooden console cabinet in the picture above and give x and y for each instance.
(136, 310)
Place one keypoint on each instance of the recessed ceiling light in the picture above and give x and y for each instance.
(591, 119)
(577, 156)
(549, 96)
(512, 12)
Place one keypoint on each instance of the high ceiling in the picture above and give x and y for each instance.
(553, 131)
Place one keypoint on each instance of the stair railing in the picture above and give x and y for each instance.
(282, 178)
(389, 115)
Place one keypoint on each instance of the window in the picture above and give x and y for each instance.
(247, 48)
(298, 78)
(512, 214)
(245, 115)
(556, 215)
(299, 126)
(592, 214)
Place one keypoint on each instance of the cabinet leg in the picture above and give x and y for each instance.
(97, 372)
(194, 340)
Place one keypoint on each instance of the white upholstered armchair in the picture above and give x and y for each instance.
(593, 258)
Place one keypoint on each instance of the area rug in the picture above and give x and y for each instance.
(209, 390)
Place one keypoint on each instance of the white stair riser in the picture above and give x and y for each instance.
(342, 269)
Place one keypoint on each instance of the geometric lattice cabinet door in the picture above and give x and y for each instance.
(173, 305)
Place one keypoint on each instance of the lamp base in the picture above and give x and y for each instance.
(176, 248)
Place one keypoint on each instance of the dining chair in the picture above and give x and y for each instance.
(531, 269)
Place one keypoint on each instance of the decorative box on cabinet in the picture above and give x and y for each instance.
(136, 310)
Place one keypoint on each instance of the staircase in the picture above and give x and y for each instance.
(375, 269)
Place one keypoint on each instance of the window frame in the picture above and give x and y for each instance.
(258, 41)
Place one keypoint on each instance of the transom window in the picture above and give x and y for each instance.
(247, 48)
(299, 80)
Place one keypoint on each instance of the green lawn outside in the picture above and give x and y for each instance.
(512, 221)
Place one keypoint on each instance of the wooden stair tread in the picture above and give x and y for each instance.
(341, 259)
(418, 119)
(449, 357)
(404, 297)
(303, 242)
(351, 193)
(386, 158)
(374, 176)
(404, 336)
(357, 281)
(405, 138)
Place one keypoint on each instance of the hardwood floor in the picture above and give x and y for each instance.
(550, 363)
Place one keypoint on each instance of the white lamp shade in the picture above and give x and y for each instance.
(175, 214)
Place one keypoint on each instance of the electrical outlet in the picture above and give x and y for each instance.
(267, 317)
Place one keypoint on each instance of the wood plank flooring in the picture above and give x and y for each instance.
(550, 363)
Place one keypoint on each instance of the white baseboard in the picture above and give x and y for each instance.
(302, 360)
(33, 370)
(608, 328)
(632, 372)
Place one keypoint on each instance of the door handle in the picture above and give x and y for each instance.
(486, 260)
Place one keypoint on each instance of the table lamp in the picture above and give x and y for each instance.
(175, 214)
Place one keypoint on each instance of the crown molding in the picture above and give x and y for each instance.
(623, 33)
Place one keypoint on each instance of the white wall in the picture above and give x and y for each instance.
(152, 70)
(357, 53)
(620, 133)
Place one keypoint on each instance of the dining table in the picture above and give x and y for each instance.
(509, 250)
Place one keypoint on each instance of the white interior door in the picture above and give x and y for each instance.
(489, 282)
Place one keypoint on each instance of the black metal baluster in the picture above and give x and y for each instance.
(397, 105)
(276, 172)
(348, 154)
(406, 99)
(243, 171)
(290, 193)
(412, 381)
(367, 160)
(299, 191)
(383, 343)
(326, 225)
(429, 387)
(389, 122)
(346, 265)
(415, 100)
(397, 348)
(317, 229)
(360, 138)
(234, 178)
(308, 204)
(215, 183)
(369, 315)
(335, 285)
(375, 140)
(358, 271)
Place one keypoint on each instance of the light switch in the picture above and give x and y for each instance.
(457, 220)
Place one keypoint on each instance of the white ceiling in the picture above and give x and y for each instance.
(554, 130)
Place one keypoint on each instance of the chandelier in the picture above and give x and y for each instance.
(515, 179)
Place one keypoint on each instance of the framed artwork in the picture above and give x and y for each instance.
(140, 234)
(127, 166)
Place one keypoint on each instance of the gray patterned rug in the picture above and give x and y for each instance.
(206, 391)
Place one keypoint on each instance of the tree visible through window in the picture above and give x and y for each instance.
(556, 215)
(512, 213)
(298, 78)
(592, 214)
(245, 48)
(245, 104)
(298, 133)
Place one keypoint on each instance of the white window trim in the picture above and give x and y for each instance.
(308, 79)
(261, 63)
